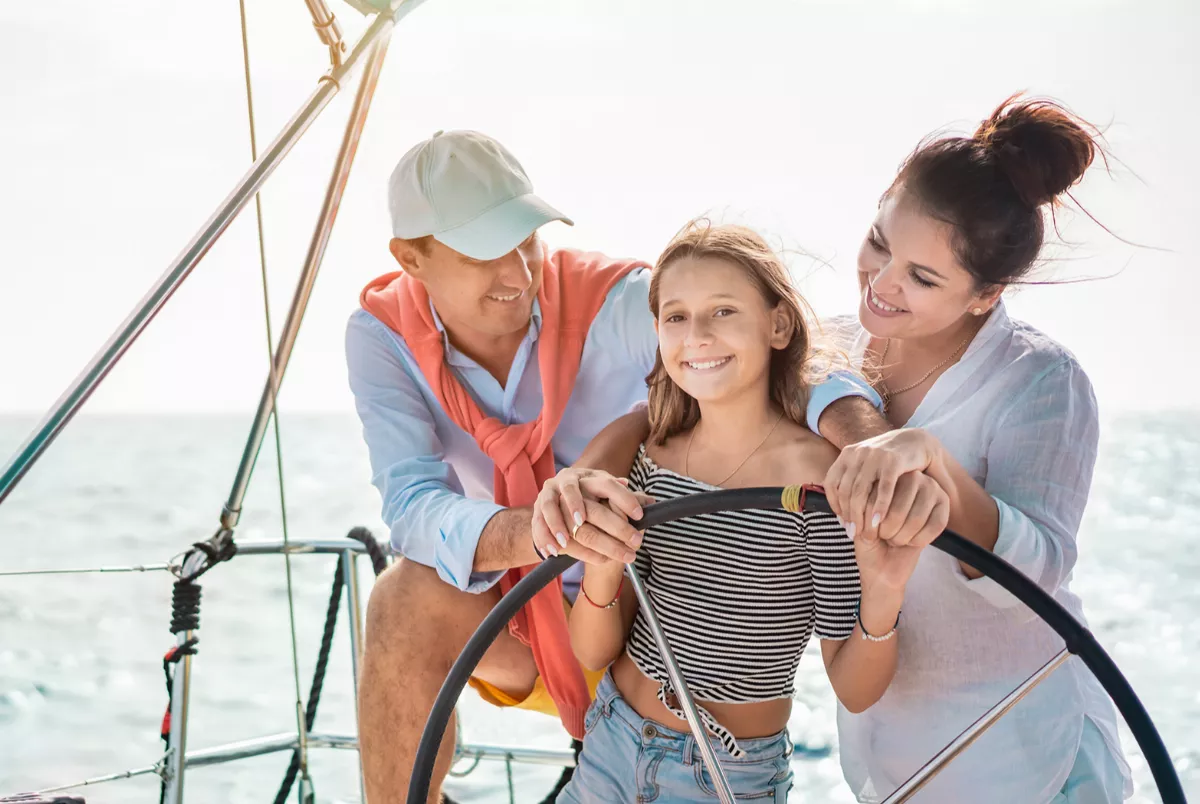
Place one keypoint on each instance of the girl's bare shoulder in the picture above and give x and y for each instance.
(800, 456)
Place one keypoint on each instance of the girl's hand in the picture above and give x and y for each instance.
(598, 507)
(863, 481)
(920, 507)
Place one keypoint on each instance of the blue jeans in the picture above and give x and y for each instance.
(627, 759)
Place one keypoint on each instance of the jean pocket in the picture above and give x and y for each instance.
(592, 716)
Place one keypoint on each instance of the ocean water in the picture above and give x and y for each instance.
(81, 684)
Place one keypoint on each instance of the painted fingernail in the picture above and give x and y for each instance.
(875, 520)
(850, 530)
(552, 550)
(562, 539)
(578, 519)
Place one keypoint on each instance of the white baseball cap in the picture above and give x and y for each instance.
(469, 192)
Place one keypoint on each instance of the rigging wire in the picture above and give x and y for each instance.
(112, 777)
(84, 570)
(273, 384)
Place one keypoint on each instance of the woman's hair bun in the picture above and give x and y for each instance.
(1041, 147)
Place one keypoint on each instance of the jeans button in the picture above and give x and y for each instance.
(649, 732)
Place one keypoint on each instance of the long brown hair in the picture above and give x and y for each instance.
(793, 368)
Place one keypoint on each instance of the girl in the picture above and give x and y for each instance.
(739, 593)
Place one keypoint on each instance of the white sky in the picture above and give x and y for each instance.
(123, 126)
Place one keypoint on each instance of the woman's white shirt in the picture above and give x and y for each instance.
(1018, 412)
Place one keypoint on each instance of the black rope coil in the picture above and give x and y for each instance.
(379, 564)
(1079, 640)
(185, 606)
(185, 616)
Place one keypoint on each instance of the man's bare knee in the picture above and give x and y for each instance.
(415, 616)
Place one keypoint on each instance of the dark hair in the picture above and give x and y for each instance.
(992, 187)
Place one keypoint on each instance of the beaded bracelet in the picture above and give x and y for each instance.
(616, 597)
(865, 635)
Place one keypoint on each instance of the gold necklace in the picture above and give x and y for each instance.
(889, 394)
(692, 437)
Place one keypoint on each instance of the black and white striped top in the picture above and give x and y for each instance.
(739, 594)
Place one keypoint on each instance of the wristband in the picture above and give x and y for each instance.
(612, 603)
(863, 629)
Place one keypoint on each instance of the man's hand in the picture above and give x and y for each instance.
(598, 507)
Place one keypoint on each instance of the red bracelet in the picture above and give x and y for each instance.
(616, 597)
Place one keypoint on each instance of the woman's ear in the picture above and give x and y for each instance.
(986, 300)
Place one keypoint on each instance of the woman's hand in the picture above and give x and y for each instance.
(885, 562)
(862, 482)
(598, 507)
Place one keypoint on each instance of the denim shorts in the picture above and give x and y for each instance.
(627, 759)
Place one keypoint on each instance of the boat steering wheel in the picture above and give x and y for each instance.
(1079, 640)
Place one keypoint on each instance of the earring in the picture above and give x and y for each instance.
(978, 311)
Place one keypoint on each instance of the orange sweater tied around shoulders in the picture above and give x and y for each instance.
(574, 287)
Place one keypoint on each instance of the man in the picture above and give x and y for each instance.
(463, 407)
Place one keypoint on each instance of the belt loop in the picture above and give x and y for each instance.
(689, 749)
(609, 697)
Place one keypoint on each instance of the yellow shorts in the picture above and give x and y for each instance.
(538, 700)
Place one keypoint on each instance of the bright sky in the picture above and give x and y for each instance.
(125, 125)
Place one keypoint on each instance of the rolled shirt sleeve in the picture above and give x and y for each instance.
(1039, 471)
(430, 519)
(838, 385)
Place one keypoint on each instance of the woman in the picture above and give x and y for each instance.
(1005, 420)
